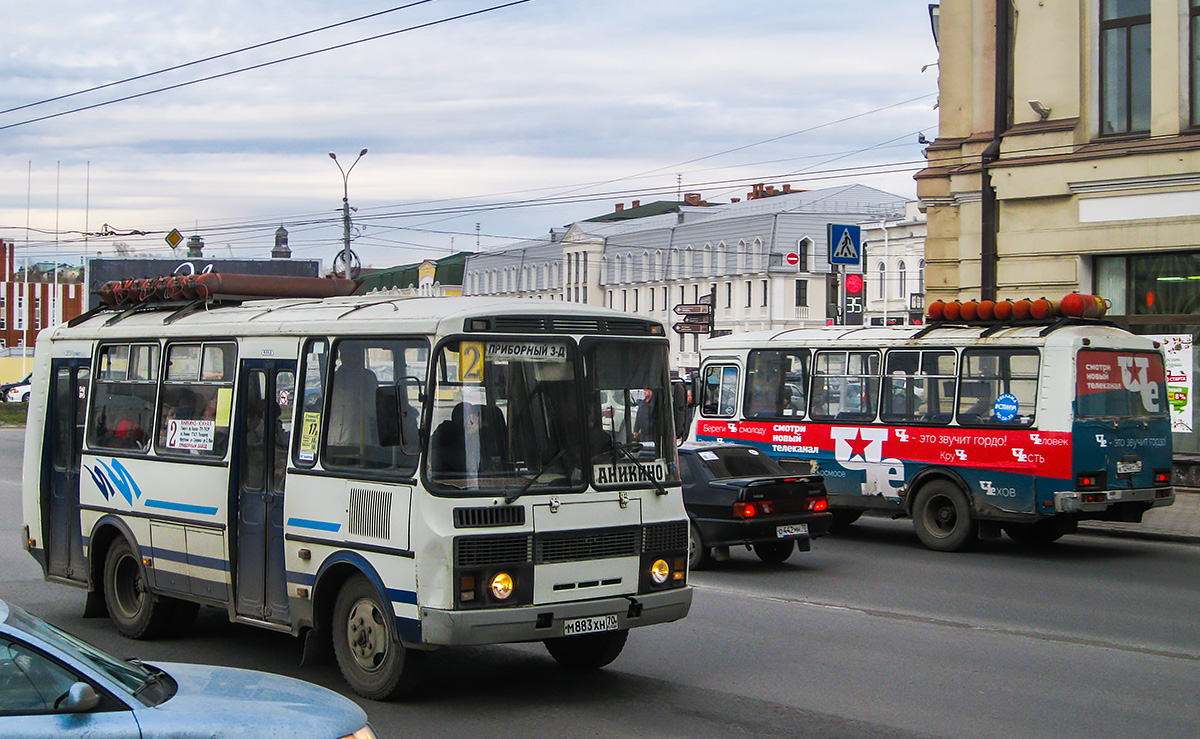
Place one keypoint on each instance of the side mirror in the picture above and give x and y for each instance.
(679, 408)
(80, 698)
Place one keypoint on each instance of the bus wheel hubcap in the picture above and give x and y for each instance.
(366, 633)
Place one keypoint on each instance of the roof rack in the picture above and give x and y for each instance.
(177, 289)
(994, 315)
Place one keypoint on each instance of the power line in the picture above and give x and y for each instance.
(262, 65)
(214, 57)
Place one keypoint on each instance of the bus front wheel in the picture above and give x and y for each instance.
(942, 517)
(369, 653)
(134, 610)
(587, 651)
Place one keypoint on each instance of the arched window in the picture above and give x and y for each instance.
(882, 270)
(921, 276)
(900, 271)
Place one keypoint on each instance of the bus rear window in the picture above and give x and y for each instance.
(1115, 384)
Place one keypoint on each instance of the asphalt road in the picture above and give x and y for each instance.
(869, 635)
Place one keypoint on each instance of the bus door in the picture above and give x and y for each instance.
(266, 399)
(67, 403)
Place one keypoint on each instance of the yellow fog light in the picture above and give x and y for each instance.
(660, 571)
(502, 585)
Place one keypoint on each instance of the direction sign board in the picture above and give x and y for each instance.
(845, 244)
(690, 309)
(692, 328)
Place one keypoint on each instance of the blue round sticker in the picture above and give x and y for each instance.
(1006, 407)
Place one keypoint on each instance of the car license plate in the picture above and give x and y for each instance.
(794, 530)
(1128, 468)
(590, 625)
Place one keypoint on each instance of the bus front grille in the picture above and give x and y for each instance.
(578, 546)
(488, 517)
(484, 551)
(670, 535)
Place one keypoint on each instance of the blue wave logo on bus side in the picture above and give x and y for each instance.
(114, 481)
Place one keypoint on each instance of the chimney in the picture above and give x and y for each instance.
(635, 204)
(787, 189)
(620, 207)
(195, 247)
(692, 198)
(735, 200)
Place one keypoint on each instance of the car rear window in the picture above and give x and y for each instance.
(735, 462)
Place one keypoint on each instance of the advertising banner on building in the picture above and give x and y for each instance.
(1180, 369)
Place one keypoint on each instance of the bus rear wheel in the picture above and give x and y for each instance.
(587, 651)
(134, 610)
(942, 517)
(369, 653)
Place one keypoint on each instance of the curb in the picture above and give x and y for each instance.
(1143, 535)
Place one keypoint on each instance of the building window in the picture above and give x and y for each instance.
(749, 293)
(728, 294)
(1124, 66)
(921, 276)
(882, 270)
(651, 296)
(802, 249)
(900, 271)
(801, 293)
(765, 293)
(3, 312)
(1195, 67)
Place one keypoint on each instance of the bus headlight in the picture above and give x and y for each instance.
(501, 586)
(660, 571)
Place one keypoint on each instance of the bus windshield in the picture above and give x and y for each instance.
(628, 414)
(1120, 384)
(505, 417)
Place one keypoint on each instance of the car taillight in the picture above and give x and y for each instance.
(818, 504)
(1162, 477)
(750, 510)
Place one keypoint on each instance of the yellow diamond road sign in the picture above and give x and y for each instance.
(174, 238)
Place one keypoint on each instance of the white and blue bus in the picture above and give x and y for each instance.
(381, 475)
(969, 428)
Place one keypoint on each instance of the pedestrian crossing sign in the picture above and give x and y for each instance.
(845, 244)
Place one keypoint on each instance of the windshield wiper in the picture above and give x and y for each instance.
(511, 497)
(646, 473)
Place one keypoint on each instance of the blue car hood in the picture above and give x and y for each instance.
(225, 701)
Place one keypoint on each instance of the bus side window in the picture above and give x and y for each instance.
(122, 412)
(720, 391)
(197, 399)
(989, 373)
(775, 382)
(312, 400)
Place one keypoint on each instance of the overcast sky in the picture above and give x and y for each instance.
(516, 119)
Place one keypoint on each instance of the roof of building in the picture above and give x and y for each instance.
(447, 271)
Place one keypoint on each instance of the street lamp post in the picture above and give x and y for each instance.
(346, 207)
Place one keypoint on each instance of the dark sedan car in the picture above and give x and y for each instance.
(736, 495)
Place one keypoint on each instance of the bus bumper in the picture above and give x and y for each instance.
(1093, 502)
(535, 623)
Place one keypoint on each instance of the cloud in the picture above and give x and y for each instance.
(545, 97)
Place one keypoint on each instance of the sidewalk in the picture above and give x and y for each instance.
(1179, 522)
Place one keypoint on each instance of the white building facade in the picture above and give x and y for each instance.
(739, 251)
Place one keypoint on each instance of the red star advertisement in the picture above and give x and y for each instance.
(882, 452)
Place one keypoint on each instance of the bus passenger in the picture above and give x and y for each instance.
(352, 423)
